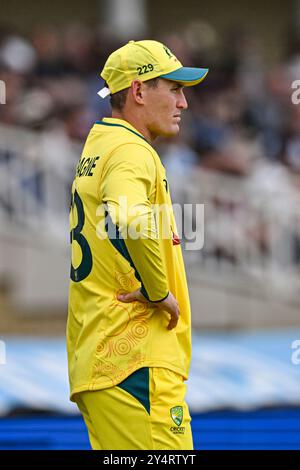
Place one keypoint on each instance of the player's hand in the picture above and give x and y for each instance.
(169, 304)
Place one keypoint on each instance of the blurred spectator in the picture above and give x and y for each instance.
(241, 115)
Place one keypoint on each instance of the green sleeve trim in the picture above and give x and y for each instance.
(154, 301)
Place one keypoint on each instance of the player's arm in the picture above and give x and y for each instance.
(128, 181)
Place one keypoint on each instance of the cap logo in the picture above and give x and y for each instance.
(168, 52)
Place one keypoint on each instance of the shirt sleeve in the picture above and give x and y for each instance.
(127, 184)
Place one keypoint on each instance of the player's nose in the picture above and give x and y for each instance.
(182, 102)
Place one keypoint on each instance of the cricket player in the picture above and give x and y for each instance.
(129, 325)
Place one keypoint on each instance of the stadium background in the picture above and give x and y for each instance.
(238, 154)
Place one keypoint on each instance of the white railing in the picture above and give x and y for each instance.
(36, 171)
(251, 233)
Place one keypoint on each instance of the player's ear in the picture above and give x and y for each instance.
(137, 89)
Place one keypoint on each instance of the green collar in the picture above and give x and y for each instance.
(119, 123)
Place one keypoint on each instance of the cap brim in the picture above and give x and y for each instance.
(188, 76)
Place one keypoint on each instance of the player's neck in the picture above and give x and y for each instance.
(136, 122)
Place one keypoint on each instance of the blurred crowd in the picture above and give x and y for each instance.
(242, 112)
(241, 119)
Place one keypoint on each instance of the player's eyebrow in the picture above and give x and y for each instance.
(177, 86)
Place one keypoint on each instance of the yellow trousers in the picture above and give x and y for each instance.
(145, 411)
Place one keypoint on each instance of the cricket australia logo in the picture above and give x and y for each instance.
(177, 414)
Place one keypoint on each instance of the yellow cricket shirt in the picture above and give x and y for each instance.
(123, 237)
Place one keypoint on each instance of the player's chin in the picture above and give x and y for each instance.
(172, 130)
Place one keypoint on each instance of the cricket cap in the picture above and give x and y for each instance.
(145, 60)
